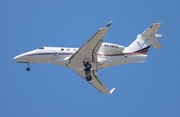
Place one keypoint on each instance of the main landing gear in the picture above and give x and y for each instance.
(87, 71)
(88, 78)
(87, 65)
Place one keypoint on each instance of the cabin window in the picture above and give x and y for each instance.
(68, 49)
(62, 49)
(41, 48)
(74, 49)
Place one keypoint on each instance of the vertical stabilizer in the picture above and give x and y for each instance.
(146, 39)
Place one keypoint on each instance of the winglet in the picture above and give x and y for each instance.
(109, 24)
(112, 90)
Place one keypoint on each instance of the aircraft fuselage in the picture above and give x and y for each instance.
(108, 55)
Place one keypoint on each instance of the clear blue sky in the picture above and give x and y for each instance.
(151, 89)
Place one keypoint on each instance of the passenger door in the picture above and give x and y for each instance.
(55, 53)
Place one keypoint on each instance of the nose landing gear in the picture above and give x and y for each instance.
(28, 68)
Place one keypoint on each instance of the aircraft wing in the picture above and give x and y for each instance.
(89, 50)
(95, 81)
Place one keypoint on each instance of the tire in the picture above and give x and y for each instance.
(89, 78)
(28, 68)
(88, 66)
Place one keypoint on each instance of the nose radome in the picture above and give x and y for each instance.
(18, 57)
(15, 58)
(23, 56)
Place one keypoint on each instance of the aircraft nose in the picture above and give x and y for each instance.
(18, 57)
(24, 56)
(15, 58)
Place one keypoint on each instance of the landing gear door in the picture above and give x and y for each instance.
(55, 53)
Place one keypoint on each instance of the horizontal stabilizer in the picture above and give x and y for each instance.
(151, 31)
(145, 40)
(156, 44)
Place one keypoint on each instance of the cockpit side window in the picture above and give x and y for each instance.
(41, 48)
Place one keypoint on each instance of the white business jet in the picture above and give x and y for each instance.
(95, 55)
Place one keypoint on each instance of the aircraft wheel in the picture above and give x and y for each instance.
(87, 65)
(28, 68)
(88, 78)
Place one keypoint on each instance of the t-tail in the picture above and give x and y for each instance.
(145, 40)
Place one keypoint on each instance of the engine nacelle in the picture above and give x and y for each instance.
(111, 48)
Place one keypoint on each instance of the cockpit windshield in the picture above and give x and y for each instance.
(41, 48)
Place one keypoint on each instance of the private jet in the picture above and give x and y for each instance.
(95, 55)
